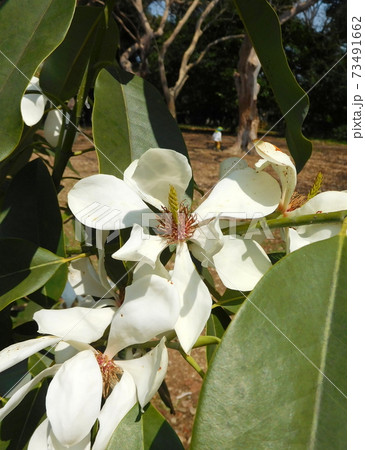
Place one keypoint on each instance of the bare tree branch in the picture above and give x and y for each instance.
(296, 9)
(189, 51)
(123, 25)
(165, 15)
(211, 44)
(179, 26)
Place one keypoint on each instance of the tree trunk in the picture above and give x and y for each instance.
(246, 82)
(247, 89)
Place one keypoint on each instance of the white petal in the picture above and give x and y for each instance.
(43, 438)
(105, 202)
(117, 405)
(283, 166)
(128, 174)
(79, 324)
(84, 279)
(151, 306)
(141, 246)
(156, 170)
(294, 241)
(241, 263)
(206, 241)
(15, 353)
(330, 201)
(148, 371)
(324, 202)
(32, 105)
(23, 391)
(195, 299)
(305, 235)
(230, 164)
(143, 269)
(64, 351)
(273, 154)
(74, 398)
(242, 194)
(52, 126)
(40, 437)
(84, 444)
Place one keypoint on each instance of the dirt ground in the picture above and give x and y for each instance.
(183, 382)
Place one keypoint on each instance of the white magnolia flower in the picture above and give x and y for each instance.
(160, 178)
(53, 125)
(84, 283)
(283, 166)
(83, 376)
(32, 105)
(325, 202)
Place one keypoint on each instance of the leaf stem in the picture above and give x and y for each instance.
(203, 341)
(283, 222)
(193, 363)
(73, 258)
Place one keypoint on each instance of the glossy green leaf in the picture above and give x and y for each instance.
(64, 69)
(263, 28)
(25, 314)
(19, 156)
(19, 425)
(30, 211)
(144, 431)
(24, 268)
(278, 378)
(30, 208)
(40, 26)
(216, 326)
(129, 117)
(232, 300)
(5, 328)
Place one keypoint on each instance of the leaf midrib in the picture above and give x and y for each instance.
(327, 333)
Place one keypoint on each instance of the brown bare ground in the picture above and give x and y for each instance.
(183, 381)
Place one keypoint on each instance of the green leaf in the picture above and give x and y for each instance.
(276, 256)
(29, 31)
(129, 117)
(279, 375)
(5, 329)
(216, 326)
(20, 155)
(263, 28)
(30, 208)
(25, 314)
(232, 300)
(64, 69)
(19, 425)
(25, 267)
(144, 431)
(30, 211)
(10, 377)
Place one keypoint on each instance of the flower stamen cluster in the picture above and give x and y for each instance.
(179, 230)
(110, 372)
(176, 223)
(297, 200)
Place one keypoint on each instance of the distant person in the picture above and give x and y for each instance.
(217, 138)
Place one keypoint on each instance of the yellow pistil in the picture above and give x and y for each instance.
(316, 186)
(174, 204)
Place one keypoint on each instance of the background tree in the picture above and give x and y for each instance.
(162, 23)
(246, 77)
(322, 44)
